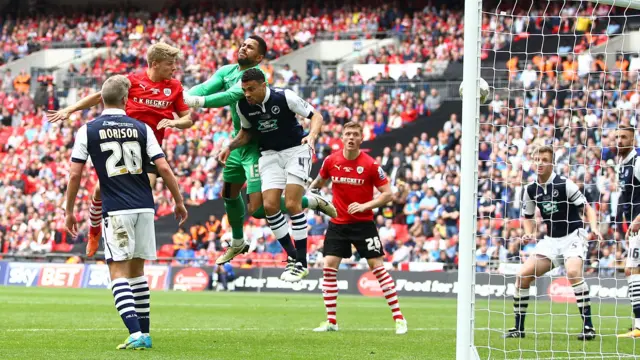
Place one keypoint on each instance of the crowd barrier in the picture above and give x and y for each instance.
(356, 282)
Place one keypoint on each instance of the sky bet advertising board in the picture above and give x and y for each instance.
(72, 275)
(46, 275)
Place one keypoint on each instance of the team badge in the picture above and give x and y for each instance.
(360, 169)
(556, 192)
(167, 92)
(275, 110)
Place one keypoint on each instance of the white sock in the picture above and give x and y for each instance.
(136, 335)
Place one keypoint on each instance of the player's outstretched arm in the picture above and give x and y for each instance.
(84, 103)
(208, 94)
(318, 183)
(170, 180)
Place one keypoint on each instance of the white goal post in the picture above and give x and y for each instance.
(466, 307)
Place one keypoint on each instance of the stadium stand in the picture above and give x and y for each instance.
(420, 225)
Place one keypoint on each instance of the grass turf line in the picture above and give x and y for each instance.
(41, 323)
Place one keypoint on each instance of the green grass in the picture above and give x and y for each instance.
(40, 323)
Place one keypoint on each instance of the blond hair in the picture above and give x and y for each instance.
(161, 52)
(115, 89)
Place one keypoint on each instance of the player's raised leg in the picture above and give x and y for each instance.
(293, 197)
(574, 267)
(279, 225)
(536, 265)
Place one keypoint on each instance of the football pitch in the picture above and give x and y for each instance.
(41, 323)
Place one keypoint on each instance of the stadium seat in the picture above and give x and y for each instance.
(280, 260)
(265, 260)
(63, 247)
(402, 232)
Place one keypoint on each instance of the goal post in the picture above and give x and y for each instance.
(552, 325)
(465, 349)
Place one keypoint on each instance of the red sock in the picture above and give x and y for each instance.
(95, 213)
(330, 292)
(389, 289)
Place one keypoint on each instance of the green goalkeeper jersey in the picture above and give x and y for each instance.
(229, 79)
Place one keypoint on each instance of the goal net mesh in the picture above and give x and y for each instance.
(564, 74)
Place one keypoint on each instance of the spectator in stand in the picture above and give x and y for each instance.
(433, 101)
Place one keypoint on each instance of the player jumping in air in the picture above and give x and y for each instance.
(268, 116)
(153, 98)
(629, 210)
(561, 204)
(242, 164)
(120, 147)
(354, 174)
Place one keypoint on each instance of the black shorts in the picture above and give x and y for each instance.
(151, 168)
(363, 235)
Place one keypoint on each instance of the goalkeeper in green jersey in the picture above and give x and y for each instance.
(223, 89)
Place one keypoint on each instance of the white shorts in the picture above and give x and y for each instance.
(561, 248)
(129, 236)
(281, 168)
(633, 253)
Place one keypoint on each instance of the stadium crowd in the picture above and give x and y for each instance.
(421, 224)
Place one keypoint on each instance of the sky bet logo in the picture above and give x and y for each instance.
(23, 274)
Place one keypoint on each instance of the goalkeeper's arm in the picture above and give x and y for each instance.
(208, 94)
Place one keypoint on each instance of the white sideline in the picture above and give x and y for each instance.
(267, 329)
(208, 329)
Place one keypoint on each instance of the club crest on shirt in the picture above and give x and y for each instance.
(275, 110)
(556, 192)
(360, 169)
(166, 91)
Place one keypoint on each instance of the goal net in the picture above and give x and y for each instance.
(564, 74)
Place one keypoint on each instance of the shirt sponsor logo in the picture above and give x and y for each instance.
(160, 104)
(267, 125)
(346, 180)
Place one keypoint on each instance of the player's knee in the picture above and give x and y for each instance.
(374, 263)
(96, 192)
(271, 206)
(524, 280)
(228, 191)
(252, 207)
(294, 206)
(574, 275)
